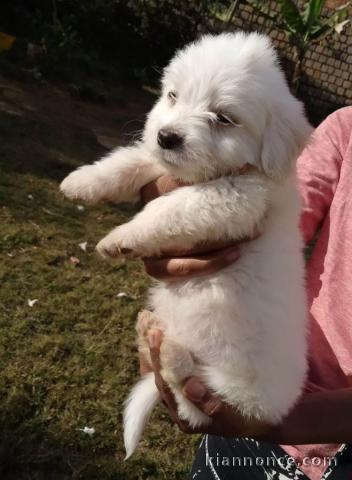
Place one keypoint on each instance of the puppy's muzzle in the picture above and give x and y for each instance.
(169, 140)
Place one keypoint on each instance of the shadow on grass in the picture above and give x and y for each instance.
(68, 361)
(48, 132)
(44, 147)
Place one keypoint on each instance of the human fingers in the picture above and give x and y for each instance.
(177, 268)
(158, 187)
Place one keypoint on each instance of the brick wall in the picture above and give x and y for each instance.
(326, 82)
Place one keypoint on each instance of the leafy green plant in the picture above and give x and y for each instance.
(304, 27)
(61, 36)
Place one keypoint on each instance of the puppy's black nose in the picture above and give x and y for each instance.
(168, 139)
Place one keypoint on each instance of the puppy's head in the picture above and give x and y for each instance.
(225, 103)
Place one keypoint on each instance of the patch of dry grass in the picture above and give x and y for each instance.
(68, 361)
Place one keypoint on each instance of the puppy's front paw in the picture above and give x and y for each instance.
(121, 241)
(82, 184)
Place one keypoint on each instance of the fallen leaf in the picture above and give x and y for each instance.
(75, 260)
(31, 303)
(83, 246)
(88, 431)
(125, 295)
(121, 295)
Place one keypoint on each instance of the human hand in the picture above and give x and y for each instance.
(226, 421)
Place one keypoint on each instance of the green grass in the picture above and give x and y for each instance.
(68, 361)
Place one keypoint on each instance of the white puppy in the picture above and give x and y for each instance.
(226, 124)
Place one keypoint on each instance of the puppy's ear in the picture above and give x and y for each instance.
(286, 133)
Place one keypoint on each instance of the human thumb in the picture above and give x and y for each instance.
(199, 394)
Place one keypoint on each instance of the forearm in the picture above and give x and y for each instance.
(218, 210)
(323, 417)
(125, 171)
(118, 177)
(212, 212)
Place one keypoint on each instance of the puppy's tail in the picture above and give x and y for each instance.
(139, 405)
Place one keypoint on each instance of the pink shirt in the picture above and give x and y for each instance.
(325, 182)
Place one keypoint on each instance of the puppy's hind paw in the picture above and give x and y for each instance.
(146, 320)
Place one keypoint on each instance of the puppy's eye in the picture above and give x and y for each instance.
(172, 97)
(225, 119)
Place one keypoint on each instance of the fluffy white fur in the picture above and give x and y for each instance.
(245, 325)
